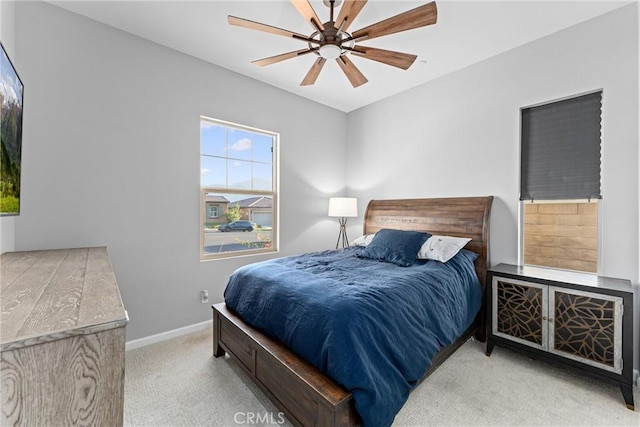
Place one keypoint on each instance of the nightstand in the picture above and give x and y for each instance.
(580, 319)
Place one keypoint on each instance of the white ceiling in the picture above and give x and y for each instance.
(466, 32)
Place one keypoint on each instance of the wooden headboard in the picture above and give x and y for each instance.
(455, 216)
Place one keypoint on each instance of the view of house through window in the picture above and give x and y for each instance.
(238, 189)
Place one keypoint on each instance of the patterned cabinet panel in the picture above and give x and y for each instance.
(586, 327)
(520, 311)
(579, 319)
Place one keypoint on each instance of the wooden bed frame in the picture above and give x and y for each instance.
(304, 394)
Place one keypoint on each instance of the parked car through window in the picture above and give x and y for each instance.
(237, 226)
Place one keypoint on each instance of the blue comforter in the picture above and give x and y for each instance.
(372, 326)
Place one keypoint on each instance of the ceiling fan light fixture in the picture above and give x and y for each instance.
(330, 51)
(333, 40)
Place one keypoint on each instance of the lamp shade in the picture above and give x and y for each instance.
(343, 207)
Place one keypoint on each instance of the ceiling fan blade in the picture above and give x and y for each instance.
(351, 71)
(306, 10)
(277, 58)
(348, 12)
(415, 18)
(246, 23)
(314, 72)
(389, 57)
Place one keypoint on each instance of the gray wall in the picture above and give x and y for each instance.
(111, 157)
(7, 36)
(459, 135)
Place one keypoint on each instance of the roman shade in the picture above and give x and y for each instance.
(560, 149)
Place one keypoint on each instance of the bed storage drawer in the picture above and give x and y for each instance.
(288, 389)
(238, 345)
(306, 396)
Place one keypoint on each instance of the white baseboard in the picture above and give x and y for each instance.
(162, 336)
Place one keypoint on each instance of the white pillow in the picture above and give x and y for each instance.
(442, 248)
(363, 240)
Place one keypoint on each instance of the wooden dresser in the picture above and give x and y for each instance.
(62, 331)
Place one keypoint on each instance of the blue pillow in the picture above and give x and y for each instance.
(395, 246)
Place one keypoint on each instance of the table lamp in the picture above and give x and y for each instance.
(343, 208)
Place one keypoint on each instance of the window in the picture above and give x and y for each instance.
(213, 211)
(560, 183)
(238, 189)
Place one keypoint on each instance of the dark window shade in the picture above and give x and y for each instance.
(560, 155)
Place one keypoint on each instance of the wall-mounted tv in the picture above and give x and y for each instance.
(11, 135)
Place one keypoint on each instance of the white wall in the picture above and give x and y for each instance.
(459, 135)
(111, 157)
(7, 36)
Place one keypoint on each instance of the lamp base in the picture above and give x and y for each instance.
(342, 235)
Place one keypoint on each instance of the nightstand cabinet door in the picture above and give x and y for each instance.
(586, 327)
(582, 320)
(520, 311)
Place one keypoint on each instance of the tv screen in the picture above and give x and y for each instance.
(11, 135)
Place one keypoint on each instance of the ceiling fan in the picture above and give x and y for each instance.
(331, 40)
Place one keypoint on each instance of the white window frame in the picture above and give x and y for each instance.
(274, 193)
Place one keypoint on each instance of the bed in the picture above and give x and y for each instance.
(298, 387)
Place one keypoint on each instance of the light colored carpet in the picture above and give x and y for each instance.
(179, 383)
